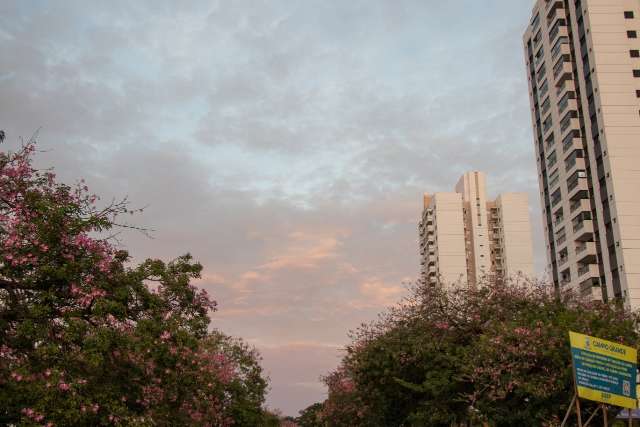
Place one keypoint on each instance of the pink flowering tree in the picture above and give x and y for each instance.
(344, 406)
(88, 339)
(498, 355)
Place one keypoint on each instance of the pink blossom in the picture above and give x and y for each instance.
(442, 325)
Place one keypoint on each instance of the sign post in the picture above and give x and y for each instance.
(604, 372)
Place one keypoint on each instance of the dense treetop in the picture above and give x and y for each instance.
(497, 355)
(86, 338)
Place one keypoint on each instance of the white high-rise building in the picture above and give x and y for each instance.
(583, 67)
(465, 238)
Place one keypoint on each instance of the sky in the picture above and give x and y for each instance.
(285, 144)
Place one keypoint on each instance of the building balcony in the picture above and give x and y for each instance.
(558, 65)
(586, 253)
(567, 104)
(538, 64)
(558, 220)
(561, 240)
(562, 48)
(543, 90)
(569, 125)
(562, 72)
(551, 7)
(581, 205)
(591, 289)
(569, 85)
(557, 31)
(583, 230)
(575, 164)
(572, 144)
(587, 271)
(578, 189)
(554, 15)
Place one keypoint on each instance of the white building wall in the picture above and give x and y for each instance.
(515, 234)
(451, 262)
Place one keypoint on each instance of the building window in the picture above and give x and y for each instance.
(636, 73)
(632, 34)
(635, 53)
(628, 14)
(637, 93)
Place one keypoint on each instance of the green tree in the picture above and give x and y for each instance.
(311, 416)
(498, 355)
(88, 339)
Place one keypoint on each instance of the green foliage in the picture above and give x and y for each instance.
(87, 338)
(498, 355)
(311, 416)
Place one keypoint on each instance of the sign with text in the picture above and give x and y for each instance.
(604, 371)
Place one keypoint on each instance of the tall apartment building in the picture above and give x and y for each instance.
(465, 238)
(583, 61)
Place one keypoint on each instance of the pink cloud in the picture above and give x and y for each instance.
(376, 293)
(252, 311)
(305, 250)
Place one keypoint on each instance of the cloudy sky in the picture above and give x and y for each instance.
(285, 144)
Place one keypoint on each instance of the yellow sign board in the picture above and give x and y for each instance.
(604, 371)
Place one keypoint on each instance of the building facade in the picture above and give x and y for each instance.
(467, 239)
(583, 66)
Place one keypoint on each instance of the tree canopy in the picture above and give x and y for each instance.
(497, 355)
(88, 338)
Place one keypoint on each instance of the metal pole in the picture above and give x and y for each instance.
(604, 413)
(578, 412)
(566, 416)
(630, 420)
(593, 414)
(575, 388)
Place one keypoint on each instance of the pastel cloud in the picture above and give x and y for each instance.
(379, 294)
(305, 250)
